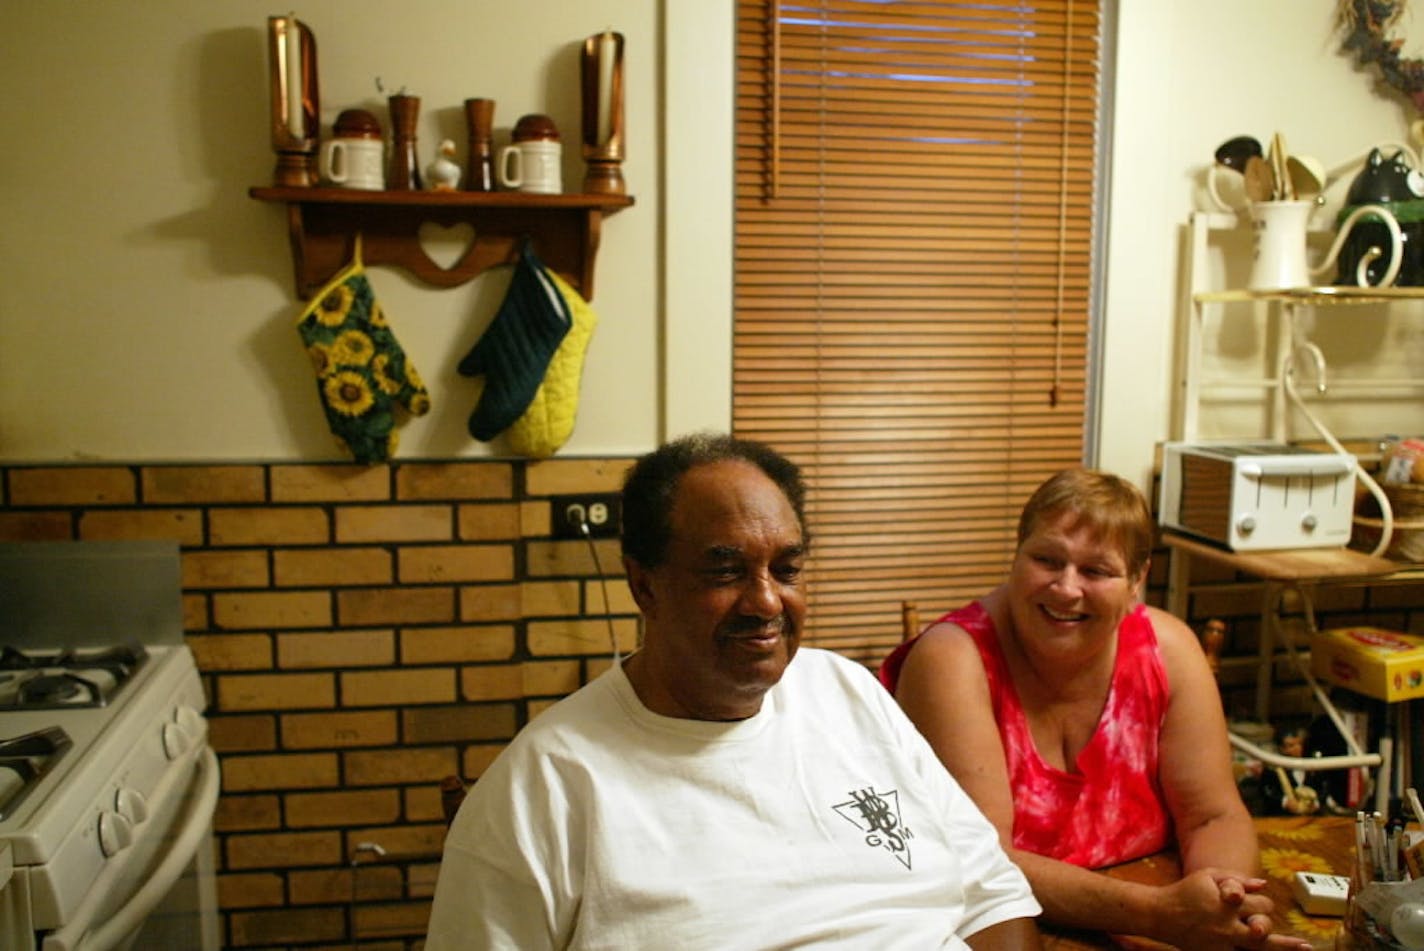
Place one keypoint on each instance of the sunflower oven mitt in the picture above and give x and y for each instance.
(362, 373)
(515, 350)
(548, 422)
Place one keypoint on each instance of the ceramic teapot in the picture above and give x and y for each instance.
(1394, 184)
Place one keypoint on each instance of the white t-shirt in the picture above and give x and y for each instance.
(825, 820)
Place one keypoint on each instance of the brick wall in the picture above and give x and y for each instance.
(365, 631)
(362, 633)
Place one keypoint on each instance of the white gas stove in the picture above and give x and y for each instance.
(107, 784)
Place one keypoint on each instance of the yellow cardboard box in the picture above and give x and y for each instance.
(1382, 664)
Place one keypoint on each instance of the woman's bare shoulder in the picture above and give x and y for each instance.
(1182, 654)
(1172, 632)
(944, 651)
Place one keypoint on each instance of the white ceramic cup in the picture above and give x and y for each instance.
(1226, 187)
(354, 163)
(532, 166)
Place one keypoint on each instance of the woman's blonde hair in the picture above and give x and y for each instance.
(1110, 506)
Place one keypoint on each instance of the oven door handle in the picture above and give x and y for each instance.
(142, 903)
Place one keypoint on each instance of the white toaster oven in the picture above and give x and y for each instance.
(1257, 495)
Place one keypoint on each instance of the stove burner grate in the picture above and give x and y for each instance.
(121, 660)
(57, 688)
(66, 678)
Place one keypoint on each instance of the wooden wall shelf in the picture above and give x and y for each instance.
(323, 223)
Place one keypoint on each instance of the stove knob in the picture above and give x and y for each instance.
(1246, 524)
(191, 721)
(176, 740)
(131, 805)
(1309, 522)
(115, 833)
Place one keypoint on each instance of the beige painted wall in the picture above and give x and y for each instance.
(145, 301)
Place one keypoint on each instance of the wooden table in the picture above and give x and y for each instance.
(1298, 569)
(1289, 844)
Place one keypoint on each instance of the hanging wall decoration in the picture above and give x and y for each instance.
(1367, 25)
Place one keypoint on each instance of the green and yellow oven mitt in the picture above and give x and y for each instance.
(513, 353)
(362, 373)
(549, 421)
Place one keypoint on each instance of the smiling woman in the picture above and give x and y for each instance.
(1088, 728)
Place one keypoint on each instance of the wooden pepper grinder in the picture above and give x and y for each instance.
(479, 117)
(405, 166)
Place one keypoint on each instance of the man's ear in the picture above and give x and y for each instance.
(640, 583)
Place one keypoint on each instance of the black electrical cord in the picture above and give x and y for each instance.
(603, 580)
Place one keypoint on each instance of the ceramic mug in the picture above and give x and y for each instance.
(532, 166)
(354, 163)
(1226, 187)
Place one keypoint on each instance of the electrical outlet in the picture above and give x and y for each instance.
(601, 511)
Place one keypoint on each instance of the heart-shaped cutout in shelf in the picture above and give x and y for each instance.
(446, 245)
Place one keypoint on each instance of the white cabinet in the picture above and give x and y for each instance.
(1284, 318)
(1281, 324)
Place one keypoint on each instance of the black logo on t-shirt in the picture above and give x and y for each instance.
(877, 814)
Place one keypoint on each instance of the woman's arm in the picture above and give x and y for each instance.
(1207, 909)
(1212, 825)
(944, 691)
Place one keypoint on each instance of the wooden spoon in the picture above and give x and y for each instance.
(1284, 191)
(1260, 181)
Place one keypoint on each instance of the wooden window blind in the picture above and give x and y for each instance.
(914, 219)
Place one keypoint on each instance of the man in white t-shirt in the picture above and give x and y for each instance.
(707, 793)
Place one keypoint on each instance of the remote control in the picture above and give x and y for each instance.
(1321, 894)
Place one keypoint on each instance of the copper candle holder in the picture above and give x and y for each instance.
(601, 79)
(291, 60)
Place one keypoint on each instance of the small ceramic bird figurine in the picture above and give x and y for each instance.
(443, 174)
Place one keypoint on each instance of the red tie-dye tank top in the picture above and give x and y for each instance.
(1110, 809)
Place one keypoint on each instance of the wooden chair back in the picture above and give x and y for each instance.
(909, 620)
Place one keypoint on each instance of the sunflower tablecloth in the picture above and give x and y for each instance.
(1289, 844)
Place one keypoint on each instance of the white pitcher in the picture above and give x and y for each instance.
(1280, 261)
